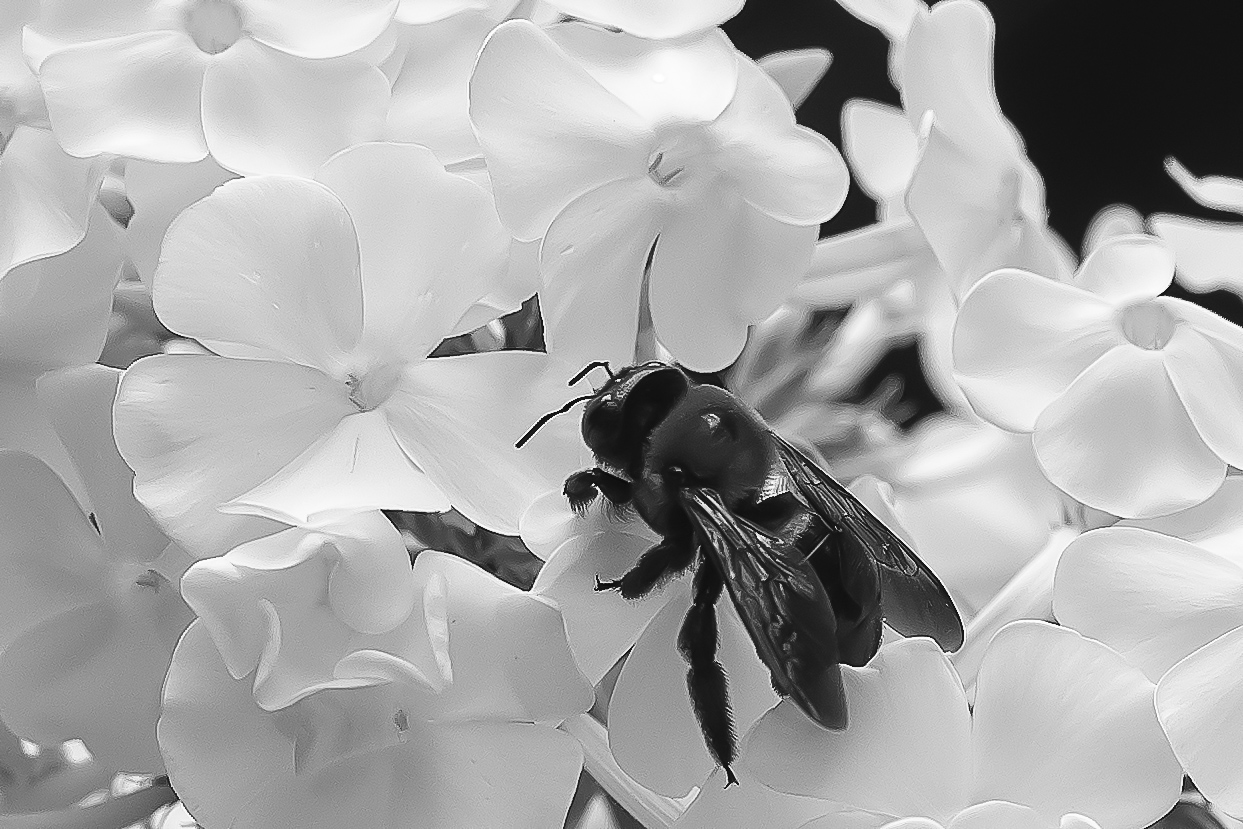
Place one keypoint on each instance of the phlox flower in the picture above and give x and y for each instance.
(446, 721)
(1062, 734)
(264, 86)
(651, 19)
(653, 732)
(89, 607)
(971, 500)
(1208, 252)
(1129, 396)
(321, 306)
(285, 607)
(1167, 593)
(604, 145)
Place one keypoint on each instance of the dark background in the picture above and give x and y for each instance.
(1102, 92)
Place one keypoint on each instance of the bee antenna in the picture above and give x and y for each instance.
(550, 416)
(594, 364)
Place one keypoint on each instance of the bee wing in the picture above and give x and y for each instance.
(915, 602)
(782, 603)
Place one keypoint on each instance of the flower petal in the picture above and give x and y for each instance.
(51, 557)
(45, 197)
(57, 679)
(268, 112)
(358, 466)
(593, 281)
(459, 417)
(550, 131)
(1207, 254)
(1208, 376)
(507, 649)
(136, 95)
(264, 267)
(1152, 598)
(430, 242)
(79, 405)
(1199, 702)
(796, 71)
(221, 748)
(690, 80)
(199, 430)
(790, 173)
(892, 17)
(1063, 724)
(651, 18)
(882, 147)
(1127, 269)
(600, 625)
(1146, 456)
(653, 732)
(720, 265)
(1020, 340)
(864, 263)
(1215, 525)
(908, 716)
(318, 29)
(751, 803)
(997, 813)
(1217, 192)
(1110, 221)
(159, 193)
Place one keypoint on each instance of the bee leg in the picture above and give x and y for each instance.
(657, 565)
(581, 489)
(705, 679)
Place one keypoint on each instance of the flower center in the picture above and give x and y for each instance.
(369, 388)
(1148, 325)
(214, 25)
(678, 151)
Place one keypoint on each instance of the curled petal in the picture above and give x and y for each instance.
(1021, 339)
(1127, 269)
(908, 715)
(45, 197)
(1063, 724)
(653, 731)
(1207, 254)
(1110, 221)
(549, 130)
(136, 95)
(264, 267)
(318, 29)
(458, 418)
(652, 18)
(199, 430)
(1217, 192)
(430, 242)
(797, 71)
(267, 112)
(1151, 597)
(1146, 456)
(1200, 703)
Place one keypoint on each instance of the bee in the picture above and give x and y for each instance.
(811, 572)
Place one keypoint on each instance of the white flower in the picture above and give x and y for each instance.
(601, 142)
(1208, 253)
(1131, 397)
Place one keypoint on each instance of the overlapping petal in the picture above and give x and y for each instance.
(1020, 340)
(882, 148)
(1153, 598)
(1199, 703)
(1127, 268)
(1208, 253)
(135, 95)
(1096, 441)
(1208, 376)
(318, 29)
(652, 18)
(1218, 192)
(265, 111)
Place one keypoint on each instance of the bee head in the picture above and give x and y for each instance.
(627, 407)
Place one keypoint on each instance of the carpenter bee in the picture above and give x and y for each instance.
(810, 570)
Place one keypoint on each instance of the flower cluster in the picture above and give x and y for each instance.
(290, 296)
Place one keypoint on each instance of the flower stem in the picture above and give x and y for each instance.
(654, 811)
(1028, 595)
